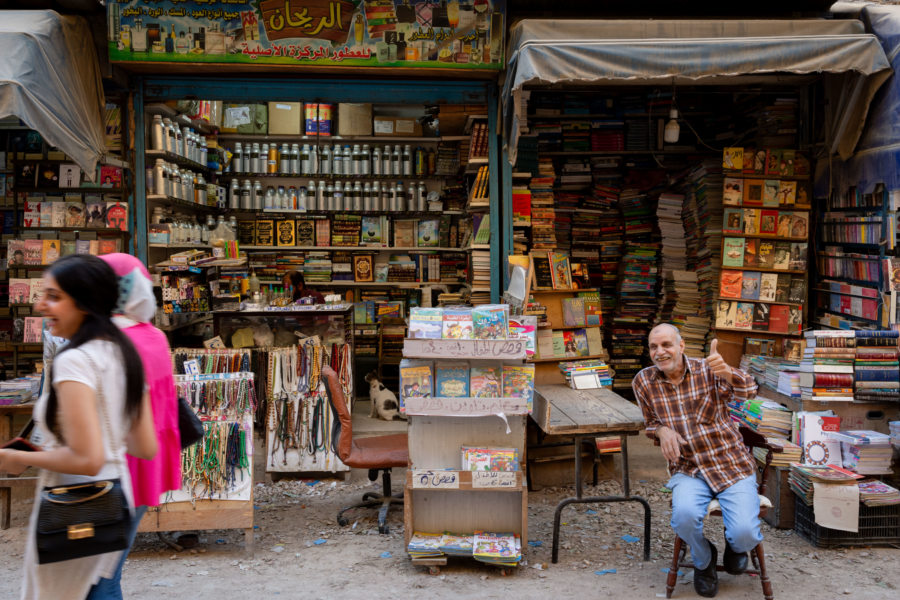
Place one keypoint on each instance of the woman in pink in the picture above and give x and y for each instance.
(133, 315)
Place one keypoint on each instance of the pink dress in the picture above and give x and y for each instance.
(152, 478)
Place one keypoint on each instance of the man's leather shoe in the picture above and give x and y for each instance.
(706, 582)
(735, 563)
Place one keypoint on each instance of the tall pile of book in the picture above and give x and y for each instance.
(802, 478)
(877, 372)
(543, 235)
(826, 371)
(767, 417)
(863, 451)
(790, 453)
(877, 493)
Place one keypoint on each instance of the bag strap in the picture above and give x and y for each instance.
(104, 413)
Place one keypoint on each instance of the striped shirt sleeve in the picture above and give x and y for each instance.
(743, 386)
(651, 420)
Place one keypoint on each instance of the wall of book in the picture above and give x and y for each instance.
(641, 217)
(51, 208)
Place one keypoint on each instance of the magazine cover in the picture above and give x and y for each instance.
(771, 187)
(750, 285)
(428, 233)
(733, 252)
(451, 379)
(15, 253)
(19, 290)
(573, 312)
(425, 323)
(524, 327)
(751, 221)
(481, 458)
(518, 382)
(491, 321)
(415, 379)
(485, 382)
(744, 317)
(733, 220)
(753, 192)
(768, 283)
(766, 254)
(733, 191)
(457, 323)
(787, 193)
(370, 230)
(560, 270)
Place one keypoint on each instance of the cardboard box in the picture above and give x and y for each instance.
(285, 118)
(245, 118)
(396, 127)
(354, 118)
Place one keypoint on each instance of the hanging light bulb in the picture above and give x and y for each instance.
(672, 128)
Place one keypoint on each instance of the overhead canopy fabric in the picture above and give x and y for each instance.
(50, 79)
(877, 156)
(610, 52)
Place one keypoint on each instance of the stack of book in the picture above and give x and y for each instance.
(671, 228)
(704, 192)
(425, 545)
(802, 478)
(863, 451)
(503, 549)
(317, 267)
(542, 214)
(767, 417)
(593, 371)
(826, 371)
(481, 277)
(790, 453)
(877, 375)
(877, 493)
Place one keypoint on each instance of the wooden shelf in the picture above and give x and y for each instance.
(356, 248)
(463, 349)
(331, 177)
(780, 207)
(723, 298)
(569, 327)
(466, 407)
(766, 270)
(105, 230)
(464, 481)
(568, 358)
(396, 284)
(757, 331)
(181, 203)
(765, 236)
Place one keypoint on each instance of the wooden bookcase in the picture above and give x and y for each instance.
(748, 202)
(438, 495)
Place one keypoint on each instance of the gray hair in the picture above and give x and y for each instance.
(670, 326)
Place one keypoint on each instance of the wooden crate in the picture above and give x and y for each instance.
(781, 515)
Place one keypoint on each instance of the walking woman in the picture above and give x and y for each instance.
(98, 364)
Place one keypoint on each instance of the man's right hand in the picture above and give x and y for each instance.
(670, 441)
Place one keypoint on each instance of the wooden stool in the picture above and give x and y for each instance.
(752, 439)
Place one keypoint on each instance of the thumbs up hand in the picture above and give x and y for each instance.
(717, 363)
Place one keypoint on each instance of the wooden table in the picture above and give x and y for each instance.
(580, 414)
(7, 414)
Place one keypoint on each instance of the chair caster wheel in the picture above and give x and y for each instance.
(383, 529)
(434, 570)
(343, 522)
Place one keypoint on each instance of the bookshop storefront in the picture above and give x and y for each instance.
(621, 128)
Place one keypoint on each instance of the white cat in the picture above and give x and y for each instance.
(384, 401)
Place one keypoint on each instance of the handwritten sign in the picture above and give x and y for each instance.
(495, 479)
(486, 349)
(435, 480)
(466, 407)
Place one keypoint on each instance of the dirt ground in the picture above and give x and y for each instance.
(302, 553)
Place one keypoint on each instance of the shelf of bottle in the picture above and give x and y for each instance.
(357, 249)
(181, 161)
(681, 152)
(333, 177)
(405, 214)
(181, 203)
(164, 110)
(339, 139)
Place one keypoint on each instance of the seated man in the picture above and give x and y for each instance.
(684, 404)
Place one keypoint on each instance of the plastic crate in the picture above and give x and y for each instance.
(877, 525)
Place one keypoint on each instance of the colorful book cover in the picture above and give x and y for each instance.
(15, 253)
(543, 276)
(751, 221)
(49, 252)
(593, 313)
(95, 213)
(782, 260)
(798, 256)
(416, 379)
(524, 327)
(370, 231)
(451, 379)
(751, 253)
(46, 214)
(783, 228)
(778, 318)
(753, 192)
(426, 323)
(110, 176)
(750, 285)
(518, 382)
(725, 313)
(306, 232)
(490, 321)
(569, 344)
(761, 316)
(34, 252)
(795, 319)
(428, 230)
(581, 342)
(48, 176)
(766, 253)
(733, 159)
(733, 252)
(730, 283)
(573, 312)
(733, 193)
(771, 187)
(560, 270)
(107, 246)
(36, 289)
(485, 382)
(744, 317)
(481, 458)
(787, 193)
(75, 214)
(768, 222)
(33, 328)
(768, 283)
(559, 344)
(117, 215)
(457, 324)
(786, 163)
(58, 214)
(19, 291)
(756, 165)
(773, 162)
(799, 224)
(733, 220)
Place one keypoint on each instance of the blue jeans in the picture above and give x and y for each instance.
(111, 589)
(740, 512)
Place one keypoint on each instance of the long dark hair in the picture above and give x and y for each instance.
(298, 283)
(93, 286)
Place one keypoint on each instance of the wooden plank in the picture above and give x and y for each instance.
(464, 349)
(466, 511)
(484, 481)
(588, 411)
(430, 562)
(204, 514)
(434, 442)
(466, 407)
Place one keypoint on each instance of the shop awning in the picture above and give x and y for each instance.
(877, 156)
(691, 52)
(50, 79)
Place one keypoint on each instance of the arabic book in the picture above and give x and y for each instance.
(491, 321)
(451, 379)
(485, 382)
(425, 323)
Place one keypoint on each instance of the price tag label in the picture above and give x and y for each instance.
(436, 480)
(192, 367)
(494, 479)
